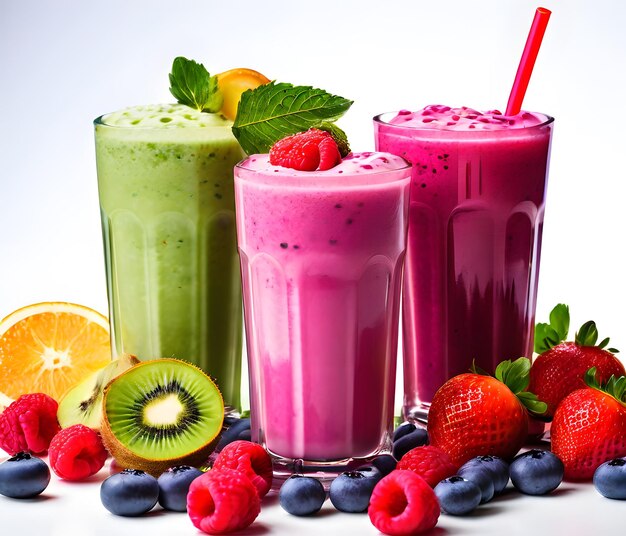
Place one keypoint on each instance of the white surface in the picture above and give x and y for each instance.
(65, 62)
(67, 509)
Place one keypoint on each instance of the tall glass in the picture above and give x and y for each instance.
(474, 244)
(168, 221)
(321, 260)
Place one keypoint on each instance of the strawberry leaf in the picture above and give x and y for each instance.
(605, 343)
(478, 370)
(615, 386)
(273, 111)
(532, 403)
(559, 320)
(587, 335)
(516, 376)
(549, 335)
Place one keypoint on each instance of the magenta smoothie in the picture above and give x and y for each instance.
(475, 222)
(321, 256)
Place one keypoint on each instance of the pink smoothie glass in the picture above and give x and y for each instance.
(321, 260)
(476, 213)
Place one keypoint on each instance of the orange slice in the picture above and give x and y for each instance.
(50, 347)
(233, 83)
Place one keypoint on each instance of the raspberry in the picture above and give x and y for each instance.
(77, 452)
(329, 153)
(306, 151)
(403, 503)
(222, 500)
(249, 459)
(431, 463)
(29, 424)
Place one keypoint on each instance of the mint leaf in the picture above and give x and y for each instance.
(272, 111)
(192, 85)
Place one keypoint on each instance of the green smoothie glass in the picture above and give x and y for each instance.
(165, 181)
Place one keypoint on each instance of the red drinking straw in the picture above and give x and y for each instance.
(526, 64)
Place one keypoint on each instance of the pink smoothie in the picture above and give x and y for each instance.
(475, 221)
(321, 256)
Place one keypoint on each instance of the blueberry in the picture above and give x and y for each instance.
(402, 430)
(458, 496)
(23, 476)
(301, 495)
(610, 479)
(385, 463)
(129, 493)
(416, 438)
(497, 467)
(233, 432)
(229, 420)
(482, 478)
(536, 472)
(245, 435)
(351, 491)
(174, 486)
(371, 471)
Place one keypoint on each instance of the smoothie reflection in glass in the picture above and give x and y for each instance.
(321, 258)
(166, 195)
(474, 241)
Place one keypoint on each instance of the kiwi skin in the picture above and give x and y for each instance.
(155, 467)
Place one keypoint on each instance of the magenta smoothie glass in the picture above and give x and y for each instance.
(321, 260)
(475, 221)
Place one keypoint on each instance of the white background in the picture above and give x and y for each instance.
(62, 63)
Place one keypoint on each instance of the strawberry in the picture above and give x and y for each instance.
(561, 367)
(312, 150)
(589, 426)
(474, 415)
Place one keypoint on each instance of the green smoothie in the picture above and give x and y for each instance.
(165, 179)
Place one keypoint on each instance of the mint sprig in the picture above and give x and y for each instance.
(192, 85)
(273, 111)
(549, 335)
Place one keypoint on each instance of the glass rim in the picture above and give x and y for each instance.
(296, 174)
(98, 121)
(381, 119)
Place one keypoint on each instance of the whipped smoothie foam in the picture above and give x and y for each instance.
(321, 256)
(165, 177)
(475, 221)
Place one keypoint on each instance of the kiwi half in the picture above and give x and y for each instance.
(161, 413)
(83, 403)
